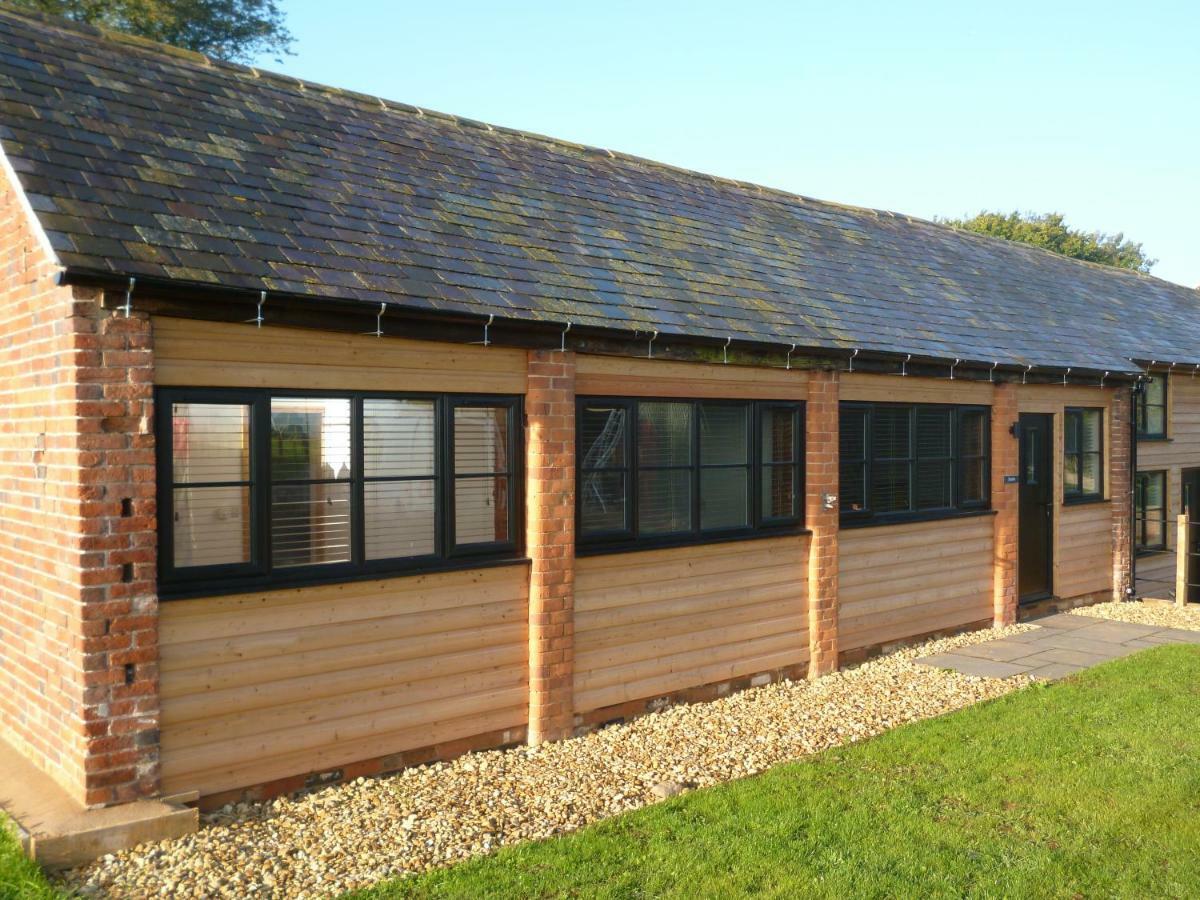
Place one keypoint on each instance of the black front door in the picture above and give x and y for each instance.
(1190, 479)
(1034, 580)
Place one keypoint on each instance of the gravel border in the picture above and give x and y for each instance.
(1164, 615)
(355, 835)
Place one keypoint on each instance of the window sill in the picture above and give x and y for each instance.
(1084, 501)
(910, 518)
(190, 590)
(667, 543)
(1154, 439)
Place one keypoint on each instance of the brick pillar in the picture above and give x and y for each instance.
(1121, 488)
(550, 542)
(1005, 500)
(118, 543)
(821, 518)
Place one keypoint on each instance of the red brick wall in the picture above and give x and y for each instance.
(821, 479)
(550, 542)
(1005, 501)
(75, 442)
(1121, 491)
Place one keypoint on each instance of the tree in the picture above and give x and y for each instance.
(1050, 232)
(235, 30)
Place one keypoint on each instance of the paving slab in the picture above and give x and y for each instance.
(1061, 645)
(1062, 621)
(971, 665)
(1054, 671)
(1116, 631)
(999, 650)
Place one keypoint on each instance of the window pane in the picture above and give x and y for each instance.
(210, 441)
(890, 433)
(933, 484)
(778, 435)
(724, 498)
(973, 440)
(664, 434)
(398, 437)
(664, 501)
(602, 501)
(852, 488)
(310, 438)
(1071, 432)
(1090, 431)
(398, 518)
(1091, 473)
(1153, 533)
(480, 510)
(212, 526)
(890, 487)
(779, 492)
(1155, 422)
(1153, 489)
(602, 437)
(480, 439)
(1071, 474)
(310, 524)
(1156, 390)
(933, 432)
(974, 484)
(724, 433)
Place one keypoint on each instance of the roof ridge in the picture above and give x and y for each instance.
(378, 102)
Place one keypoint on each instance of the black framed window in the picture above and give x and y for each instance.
(1151, 408)
(1083, 454)
(677, 471)
(900, 461)
(264, 488)
(1150, 511)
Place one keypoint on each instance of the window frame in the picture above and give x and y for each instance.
(1077, 494)
(628, 538)
(190, 581)
(1140, 518)
(958, 507)
(1142, 407)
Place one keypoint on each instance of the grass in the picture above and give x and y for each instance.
(1083, 788)
(20, 877)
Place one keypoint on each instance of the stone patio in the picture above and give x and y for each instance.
(1062, 645)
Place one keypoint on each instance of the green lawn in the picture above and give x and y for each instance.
(1084, 788)
(20, 879)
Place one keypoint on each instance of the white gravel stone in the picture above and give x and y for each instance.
(354, 835)
(1164, 615)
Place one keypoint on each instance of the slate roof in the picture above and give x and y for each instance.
(143, 160)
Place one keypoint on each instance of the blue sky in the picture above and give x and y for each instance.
(1089, 109)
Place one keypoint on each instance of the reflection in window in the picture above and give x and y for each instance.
(1083, 454)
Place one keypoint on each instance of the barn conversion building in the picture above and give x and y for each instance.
(340, 435)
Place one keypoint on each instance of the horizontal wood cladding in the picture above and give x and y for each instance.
(901, 389)
(189, 352)
(904, 580)
(1181, 451)
(623, 377)
(257, 687)
(1083, 561)
(652, 623)
(1053, 398)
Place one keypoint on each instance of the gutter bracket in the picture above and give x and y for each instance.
(258, 316)
(650, 345)
(378, 332)
(128, 307)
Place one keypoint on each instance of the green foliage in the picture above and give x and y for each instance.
(235, 30)
(1082, 788)
(20, 877)
(1050, 232)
